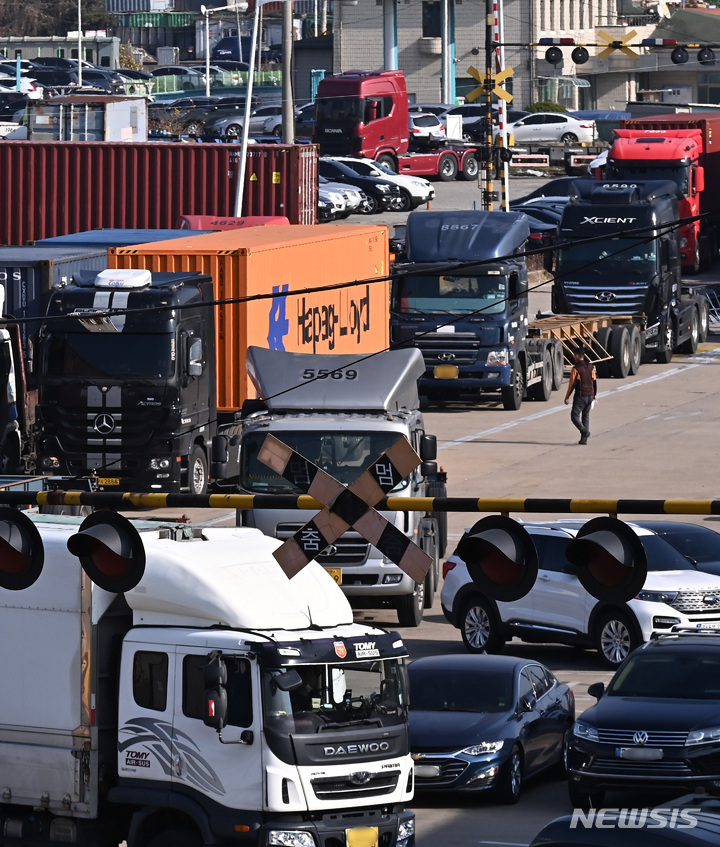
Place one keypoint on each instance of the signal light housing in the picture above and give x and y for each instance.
(110, 550)
(500, 557)
(580, 55)
(610, 559)
(21, 550)
(706, 56)
(679, 56)
(554, 55)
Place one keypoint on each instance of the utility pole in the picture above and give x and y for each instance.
(489, 195)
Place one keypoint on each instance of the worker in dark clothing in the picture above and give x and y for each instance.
(583, 381)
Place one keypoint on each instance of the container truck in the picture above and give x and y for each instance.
(365, 113)
(619, 255)
(684, 148)
(135, 398)
(169, 685)
(341, 412)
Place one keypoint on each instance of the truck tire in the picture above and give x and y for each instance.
(542, 390)
(447, 167)
(197, 471)
(439, 489)
(410, 607)
(664, 356)
(558, 359)
(620, 351)
(616, 636)
(388, 160)
(512, 395)
(704, 325)
(602, 336)
(691, 344)
(480, 627)
(636, 349)
(470, 168)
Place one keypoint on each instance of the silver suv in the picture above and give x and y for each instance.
(559, 610)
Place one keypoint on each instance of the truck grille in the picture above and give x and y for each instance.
(463, 346)
(349, 549)
(589, 300)
(656, 738)
(343, 788)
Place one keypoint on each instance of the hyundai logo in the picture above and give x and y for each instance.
(330, 550)
(104, 424)
(446, 357)
(711, 599)
(605, 296)
(640, 738)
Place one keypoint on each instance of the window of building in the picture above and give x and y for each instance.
(708, 85)
(150, 680)
(431, 22)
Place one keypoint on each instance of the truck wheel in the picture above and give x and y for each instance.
(447, 167)
(387, 160)
(470, 168)
(616, 636)
(557, 354)
(512, 395)
(602, 336)
(704, 324)
(197, 472)
(620, 352)
(480, 627)
(410, 607)
(664, 357)
(636, 349)
(542, 390)
(691, 344)
(439, 489)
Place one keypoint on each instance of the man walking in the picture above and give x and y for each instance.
(583, 381)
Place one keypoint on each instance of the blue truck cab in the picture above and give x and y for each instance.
(460, 295)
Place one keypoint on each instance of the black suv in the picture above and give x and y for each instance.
(657, 725)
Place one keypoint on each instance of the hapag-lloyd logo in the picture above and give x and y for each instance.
(635, 818)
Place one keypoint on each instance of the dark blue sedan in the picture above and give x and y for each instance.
(480, 722)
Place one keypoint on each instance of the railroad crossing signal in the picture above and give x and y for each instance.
(485, 81)
(617, 44)
(346, 507)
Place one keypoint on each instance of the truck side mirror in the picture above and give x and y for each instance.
(517, 286)
(699, 186)
(428, 469)
(428, 448)
(194, 364)
(371, 111)
(215, 680)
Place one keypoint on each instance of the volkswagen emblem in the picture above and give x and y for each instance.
(605, 296)
(711, 599)
(640, 738)
(104, 424)
(446, 357)
(360, 777)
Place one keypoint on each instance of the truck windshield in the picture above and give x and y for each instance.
(340, 109)
(91, 355)
(330, 697)
(636, 171)
(344, 455)
(459, 295)
(623, 258)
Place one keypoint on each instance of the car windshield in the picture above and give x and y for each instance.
(679, 674)
(344, 455)
(116, 355)
(662, 556)
(447, 293)
(695, 544)
(438, 690)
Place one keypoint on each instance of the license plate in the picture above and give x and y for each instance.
(336, 574)
(108, 480)
(446, 371)
(427, 771)
(362, 836)
(639, 754)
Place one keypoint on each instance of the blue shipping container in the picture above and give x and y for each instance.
(107, 238)
(29, 274)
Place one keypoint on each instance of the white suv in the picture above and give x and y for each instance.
(415, 190)
(559, 610)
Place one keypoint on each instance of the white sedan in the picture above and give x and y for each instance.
(552, 126)
(415, 190)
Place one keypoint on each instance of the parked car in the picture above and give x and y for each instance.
(200, 115)
(699, 544)
(108, 81)
(56, 81)
(228, 48)
(382, 195)
(435, 108)
(560, 610)
(12, 102)
(29, 87)
(486, 723)
(131, 73)
(552, 126)
(336, 206)
(59, 63)
(304, 122)
(186, 78)
(655, 727)
(561, 186)
(426, 129)
(475, 128)
(225, 126)
(355, 199)
(415, 190)
(230, 65)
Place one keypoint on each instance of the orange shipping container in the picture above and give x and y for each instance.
(280, 268)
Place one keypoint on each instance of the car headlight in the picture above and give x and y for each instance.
(498, 357)
(383, 188)
(711, 735)
(483, 748)
(290, 838)
(585, 730)
(658, 596)
(160, 464)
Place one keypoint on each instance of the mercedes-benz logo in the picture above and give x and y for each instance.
(640, 737)
(605, 296)
(104, 424)
(446, 357)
